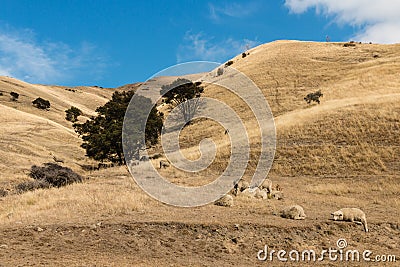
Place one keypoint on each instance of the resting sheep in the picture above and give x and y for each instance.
(263, 194)
(294, 212)
(267, 183)
(351, 215)
(275, 195)
(240, 186)
(225, 201)
(251, 192)
(163, 164)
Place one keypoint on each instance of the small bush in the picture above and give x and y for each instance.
(54, 174)
(349, 44)
(1, 93)
(41, 103)
(230, 62)
(244, 55)
(313, 97)
(70, 90)
(220, 71)
(14, 96)
(31, 185)
(72, 114)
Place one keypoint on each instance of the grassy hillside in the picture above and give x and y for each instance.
(355, 129)
(32, 136)
(343, 152)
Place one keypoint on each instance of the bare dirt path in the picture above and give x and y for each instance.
(122, 243)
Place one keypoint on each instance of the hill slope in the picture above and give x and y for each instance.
(341, 153)
(30, 135)
(355, 129)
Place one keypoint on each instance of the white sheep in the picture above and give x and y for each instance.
(294, 212)
(275, 195)
(351, 215)
(225, 201)
(267, 183)
(239, 187)
(263, 194)
(242, 185)
(250, 192)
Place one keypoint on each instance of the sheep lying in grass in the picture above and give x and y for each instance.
(351, 215)
(251, 192)
(294, 212)
(262, 194)
(239, 187)
(225, 201)
(275, 195)
(267, 184)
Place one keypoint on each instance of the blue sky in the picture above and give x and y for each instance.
(111, 43)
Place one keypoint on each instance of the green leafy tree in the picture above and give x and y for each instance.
(72, 114)
(178, 92)
(102, 135)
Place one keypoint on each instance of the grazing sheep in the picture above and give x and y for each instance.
(225, 201)
(275, 195)
(58, 160)
(234, 191)
(263, 194)
(267, 184)
(163, 164)
(240, 186)
(294, 212)
(351, 215)
(250, 192)
(144, 158)
(133, 162)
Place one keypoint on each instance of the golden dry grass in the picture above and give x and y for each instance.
(353, 132)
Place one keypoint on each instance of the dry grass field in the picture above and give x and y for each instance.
(344, 152)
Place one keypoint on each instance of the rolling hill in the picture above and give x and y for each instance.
(342, 152)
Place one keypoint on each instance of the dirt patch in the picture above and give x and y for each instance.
(122, 243)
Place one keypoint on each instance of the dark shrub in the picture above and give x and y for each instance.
(54, 174)
(313, 97)
(230, 62)
(349, 44)
(41, 103)
(14, 96)
(72, 114)
(244, 55)
(31, 185)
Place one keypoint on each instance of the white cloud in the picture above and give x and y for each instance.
(23, 57)
(200, 47)
(231, 9)
(376, 21)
